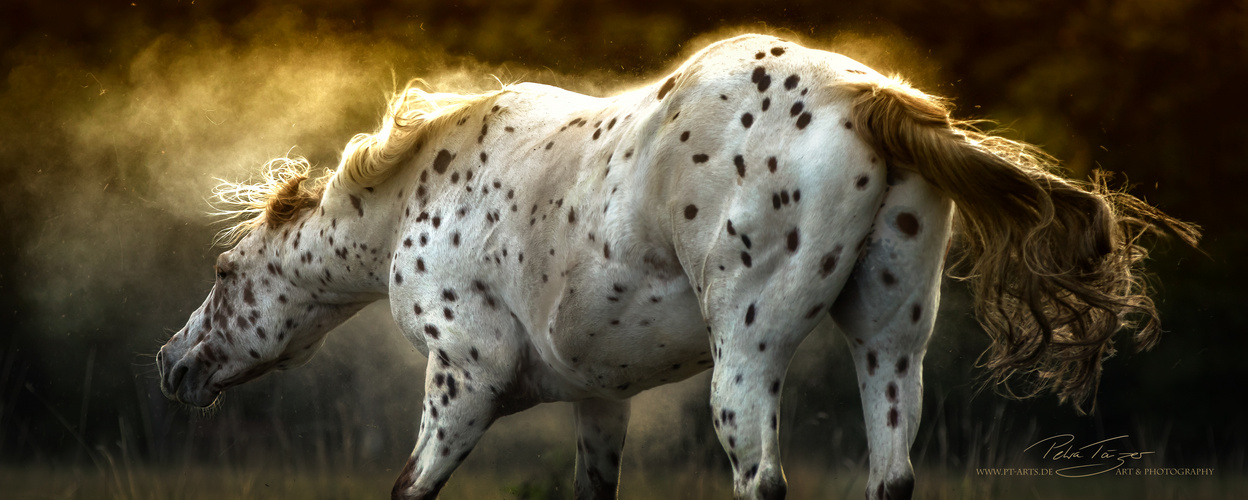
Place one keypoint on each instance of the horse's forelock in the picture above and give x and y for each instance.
(285, 188)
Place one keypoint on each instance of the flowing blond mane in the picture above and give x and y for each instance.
(286, 186)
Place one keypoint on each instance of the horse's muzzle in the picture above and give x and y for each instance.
(182, 378)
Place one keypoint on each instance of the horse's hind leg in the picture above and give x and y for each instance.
(758, 315)
(601, 425)
(886, 312)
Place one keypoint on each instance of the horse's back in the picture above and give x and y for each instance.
(614, 229)
(733, 180)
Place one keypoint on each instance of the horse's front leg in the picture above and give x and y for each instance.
(601, 425)
(456, 412)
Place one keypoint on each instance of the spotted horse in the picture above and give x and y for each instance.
(540, 245)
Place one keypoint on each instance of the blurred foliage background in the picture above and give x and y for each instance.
(118, 117)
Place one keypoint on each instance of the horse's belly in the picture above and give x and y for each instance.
(615, 338)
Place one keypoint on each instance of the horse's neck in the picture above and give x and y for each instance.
(346, 245)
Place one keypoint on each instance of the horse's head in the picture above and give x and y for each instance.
(265, 311)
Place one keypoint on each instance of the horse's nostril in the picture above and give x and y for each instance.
(175, 379)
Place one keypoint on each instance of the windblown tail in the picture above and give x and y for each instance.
(1055, 264)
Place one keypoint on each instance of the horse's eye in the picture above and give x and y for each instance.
(222, 273)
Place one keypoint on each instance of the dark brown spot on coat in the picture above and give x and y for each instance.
(760, 77)
(892, 417)
(790, 83)
(771, 163)
(739, 161)
(700, 158)
(891, 392)
(749, 315)
(887, 277)
(745, 259)
(684, 136)
(796, 109)
(691, 211)
(828, 263)
(803, 120)
(667, 87)
(355, 202)
(776, 51)
(872, 363)
(792, 240)
(903, 365)
(814, 311)
(431, 331)
(747, 120)
(442, 160)
(908, 223)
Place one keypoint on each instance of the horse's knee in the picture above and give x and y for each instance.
(901, 488)
(765, 484)
(599, 486)
(410, 493)
(771, 485)
(405, 480)
(405, 486)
